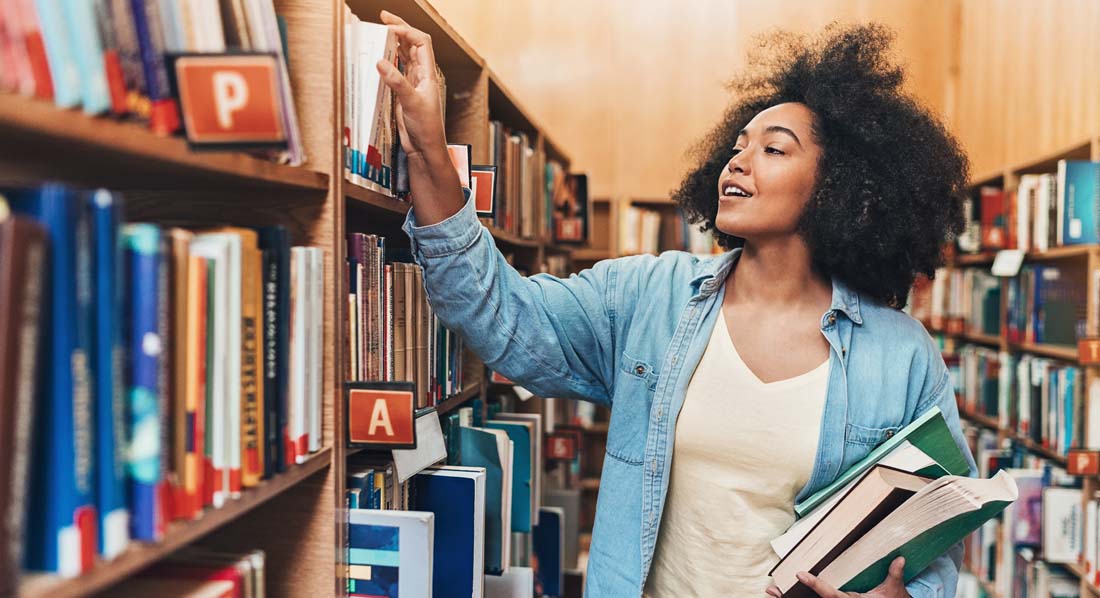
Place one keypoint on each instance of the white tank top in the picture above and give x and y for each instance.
(743, 450)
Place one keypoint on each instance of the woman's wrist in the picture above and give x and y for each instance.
(436, 189)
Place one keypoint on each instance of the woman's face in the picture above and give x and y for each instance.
(769, 178)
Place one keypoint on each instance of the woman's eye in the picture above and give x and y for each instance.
(736, 150)
(772, 150)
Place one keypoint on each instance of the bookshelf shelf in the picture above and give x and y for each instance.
(1055, 253)
(991, 423)
(38, 137)
(459, 400)
(374, 201)
(504, 238)
(1053, 351)
(592, 255)
(179, 534)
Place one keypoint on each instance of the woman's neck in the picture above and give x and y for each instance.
(778, 272)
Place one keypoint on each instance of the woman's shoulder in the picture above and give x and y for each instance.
(671, 266)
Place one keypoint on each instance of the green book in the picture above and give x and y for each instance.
(929, 433)
(921, 529)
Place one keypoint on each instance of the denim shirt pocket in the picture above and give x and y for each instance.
(868, 436)
(634, 388)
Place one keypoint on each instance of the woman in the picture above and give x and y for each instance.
(778, 364)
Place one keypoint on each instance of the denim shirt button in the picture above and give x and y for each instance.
(640, 370)
(832, 319)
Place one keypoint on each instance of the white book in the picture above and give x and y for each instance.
(263, 31)
(367, 528)
(215, 248)
(431, 448)
(1090, 536)
(231, 477)
(1025, 202)
(373, 42)
(518, 582)
(1060, 202)
(296, 406)
(205, 34)
(316, 332)
(1042, 214)
(1062, 531)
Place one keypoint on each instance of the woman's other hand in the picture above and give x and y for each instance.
(892, 587)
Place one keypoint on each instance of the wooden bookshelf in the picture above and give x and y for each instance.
(38, 137)
(471, 392)
(1053, 351)
(178, 535)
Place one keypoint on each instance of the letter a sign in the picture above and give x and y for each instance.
(381, 415)
(230, 100)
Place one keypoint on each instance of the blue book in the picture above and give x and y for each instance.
(479, 449)
(87, 49)
(521, 472)
(61, 526)
(456, 496)
(1079, 201)
(549, 547)
(143, 259)
(275, 240)
(390, 553)
(64, 71)
(109, 394)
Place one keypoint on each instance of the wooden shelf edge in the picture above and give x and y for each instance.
(472, 390)
(1052, 351)
(374, 199)
(1054, 253)
(592, 255)
(179, 534)
(993, 424)
(507, 238)
(110, 137)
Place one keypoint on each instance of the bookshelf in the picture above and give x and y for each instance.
(296, 517)
(1084, 261)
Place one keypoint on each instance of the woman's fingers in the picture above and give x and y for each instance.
(773, 591)
(396, 81)
(819, 587)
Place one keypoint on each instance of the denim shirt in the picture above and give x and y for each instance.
(629, 332)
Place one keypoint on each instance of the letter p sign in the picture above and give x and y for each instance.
(230, 100)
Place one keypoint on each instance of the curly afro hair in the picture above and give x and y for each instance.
(891, 179)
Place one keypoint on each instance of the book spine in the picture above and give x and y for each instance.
(164, 116)
(270, 314)
(251, 369)
(297, 441)
(64, 72)
(87, 49)
(110, 398)
(195, 429)
(317, 310)
(112, 57)
(26, 251)
(142, 243)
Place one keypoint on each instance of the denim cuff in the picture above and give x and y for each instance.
(452, 235)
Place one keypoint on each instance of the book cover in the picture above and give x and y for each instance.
(548, 540)
(1062, 530)
(520, 435)
(23, 255)
(1079, 202)
(390, 553)
(195, 388)
(479, 449)
(298, 439)
(107, 367)
(456, 497)
(61, 528)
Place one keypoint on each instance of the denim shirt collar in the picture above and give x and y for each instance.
(712, 272)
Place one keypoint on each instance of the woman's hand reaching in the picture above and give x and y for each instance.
(892, 587)
(436, 191)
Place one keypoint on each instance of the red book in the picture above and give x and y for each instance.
(994, 216)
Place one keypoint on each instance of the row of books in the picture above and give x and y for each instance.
(646, 230)
(111, 56)
(1046, 304)
(199, 572)
(1037, 398)
(1044, 211)
(475, 526)
(150, 373)
(392, 331)
(959, 300)
(1023, 553)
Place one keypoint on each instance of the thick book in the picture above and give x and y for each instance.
(22, 279)
(62, 521)
(456, 496)
(534, 423)
(921, 529)
(928, 432)
(878, 492)
(390, 553)
(520, 435)
(107, 367)
(1078, 202)
(479, 448)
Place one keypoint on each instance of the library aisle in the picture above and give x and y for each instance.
(236, 363)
